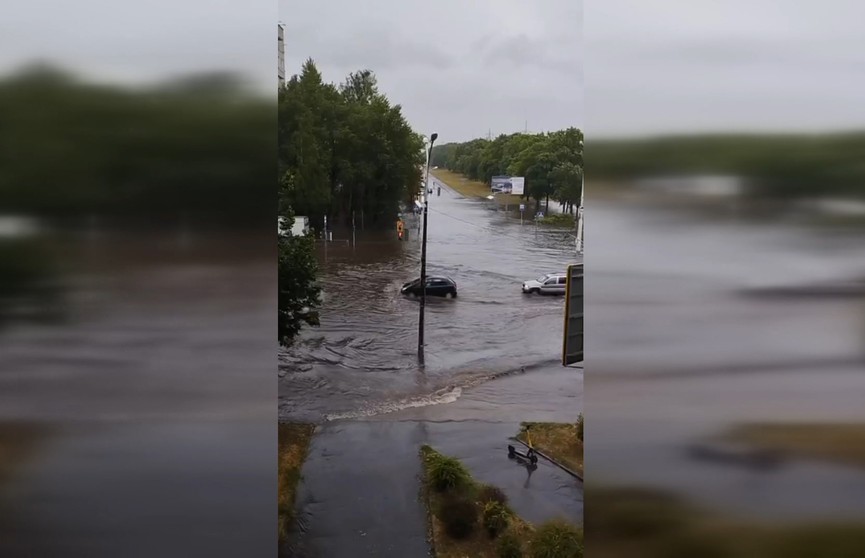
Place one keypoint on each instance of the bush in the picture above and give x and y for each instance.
(459, 516)
(580, 427)
(509, 546)
(447, 473)
(496, 518)
(557, 539)
(489, 493)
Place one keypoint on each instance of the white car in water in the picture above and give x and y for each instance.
(549, 284)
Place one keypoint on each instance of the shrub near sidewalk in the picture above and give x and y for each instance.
(473, 520)
(467, 517)
(496, 518)
(446, 473)
(459, 514)
(557, 539)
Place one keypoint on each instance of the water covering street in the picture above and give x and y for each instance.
(690, 335)
(362, 360)
(492, 361)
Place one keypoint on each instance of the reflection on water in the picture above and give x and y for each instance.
(156, 394)
(362, 360)
(688, 338)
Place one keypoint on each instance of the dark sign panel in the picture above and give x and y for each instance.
(572, 351)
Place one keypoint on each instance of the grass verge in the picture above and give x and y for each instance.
(294, 442)
(561, 441)
(838, 442)
(468, 519)
(558, 220)
(634, 522)
(473, 188)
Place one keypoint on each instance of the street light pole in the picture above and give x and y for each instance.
(420, 354)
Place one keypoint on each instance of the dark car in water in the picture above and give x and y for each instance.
(435, 286)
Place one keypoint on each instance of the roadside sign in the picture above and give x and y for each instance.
(572, 343)
(522, 207)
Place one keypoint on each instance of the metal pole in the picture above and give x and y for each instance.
(420, 330)
(353, 236)
(579, 241)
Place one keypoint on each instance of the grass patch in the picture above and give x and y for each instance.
(838, 442)
(460, 516)
(558, 220)
(561, 441)
(294, 442)
(472, 188)
(634, 522)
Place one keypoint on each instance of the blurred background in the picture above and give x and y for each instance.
(725, 288)
(137, 279)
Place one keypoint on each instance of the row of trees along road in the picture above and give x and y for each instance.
(345, 149)
(552, 163)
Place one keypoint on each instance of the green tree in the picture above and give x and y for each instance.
(298, 295)
(567, 181)
(534, 156)
(348, 148)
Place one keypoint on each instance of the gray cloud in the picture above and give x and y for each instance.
(376, 48)
(739, 65)
(461, 69)
(466, 67)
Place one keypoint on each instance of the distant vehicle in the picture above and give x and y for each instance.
(549, 284)
(435, 286)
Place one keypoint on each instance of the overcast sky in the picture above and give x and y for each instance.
(752, 65)
(141, 42)
(458, 68)
(463, 68)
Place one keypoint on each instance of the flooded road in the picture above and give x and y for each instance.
(362, 360)
(492, 360)
(689, 336)
(153, 398)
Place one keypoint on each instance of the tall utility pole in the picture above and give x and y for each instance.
(432, 140)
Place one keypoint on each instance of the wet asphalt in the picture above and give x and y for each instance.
(360, 493)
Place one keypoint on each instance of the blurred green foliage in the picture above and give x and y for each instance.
(30, 280)
(780, 166)
(346, 149)
(196, 147)
(552, 163)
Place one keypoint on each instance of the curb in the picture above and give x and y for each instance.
(551, 460)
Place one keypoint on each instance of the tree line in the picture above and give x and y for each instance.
(552, 163)
(199, 147)
(780, 166)
(345, 150)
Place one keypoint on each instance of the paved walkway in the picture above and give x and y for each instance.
(360, 493)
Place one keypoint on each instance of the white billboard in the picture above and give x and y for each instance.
(518, 185)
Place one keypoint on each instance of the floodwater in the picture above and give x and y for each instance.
(362, 360)
(153, 398)
(492, 360)
(699, 324)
